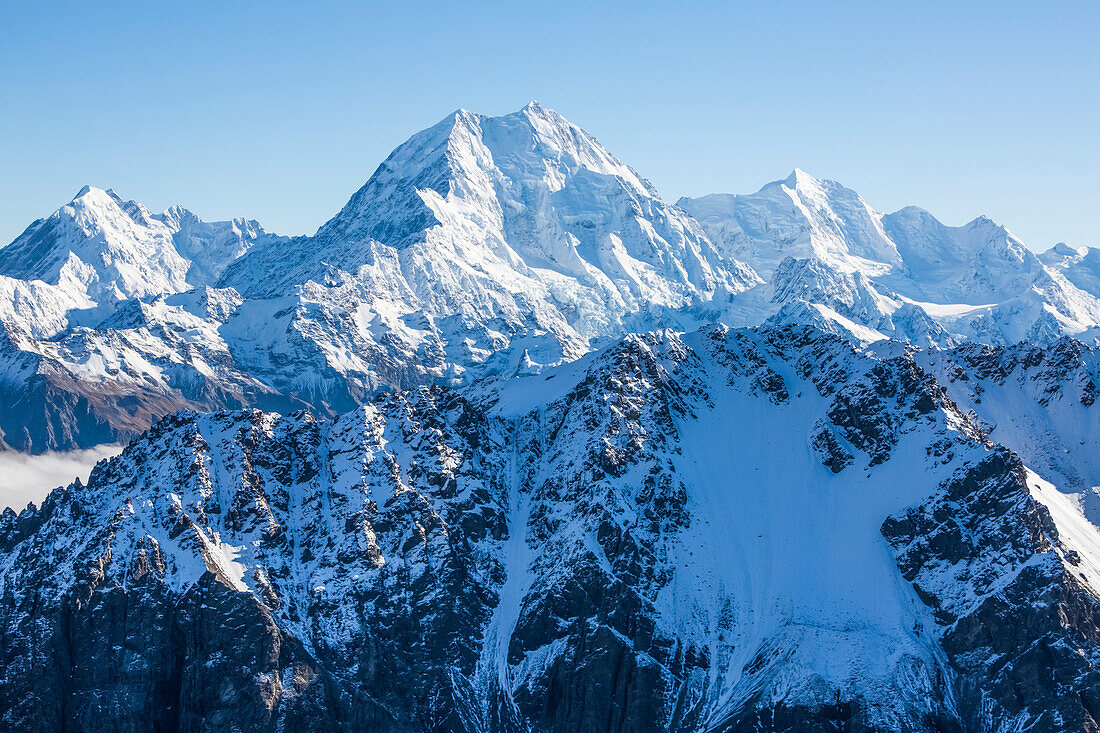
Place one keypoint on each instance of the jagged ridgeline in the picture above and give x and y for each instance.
(483, 246)
(730, 530)
(512, 445)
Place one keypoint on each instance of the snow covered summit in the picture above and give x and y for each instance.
(903, 275)
(481, 247)
(118, 249)
(505, 219)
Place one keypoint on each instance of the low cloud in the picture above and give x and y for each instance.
(25, 478)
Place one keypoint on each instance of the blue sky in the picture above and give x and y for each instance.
(279, 111)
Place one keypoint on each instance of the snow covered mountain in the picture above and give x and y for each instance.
(486, 245)
(109, 322)
(730, 530)
(1081, 266)
(482, 246)
(108, 249)
(904, 275)
(512, 445)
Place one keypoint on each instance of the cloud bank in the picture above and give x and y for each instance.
(25, 478)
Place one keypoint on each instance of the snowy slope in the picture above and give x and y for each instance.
(482, 237)
(979, 262)
(1037, 401)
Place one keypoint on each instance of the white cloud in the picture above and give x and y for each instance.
(27, 478)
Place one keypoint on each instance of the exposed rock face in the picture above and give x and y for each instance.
(1037, 401)
(1021, 630)
(619, 544)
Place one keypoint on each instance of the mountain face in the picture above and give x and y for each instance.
(766, 529)
(485, 246)
(480, 246)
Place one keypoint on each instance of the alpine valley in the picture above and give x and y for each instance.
(513, 445)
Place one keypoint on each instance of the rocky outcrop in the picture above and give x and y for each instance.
(1019, 629)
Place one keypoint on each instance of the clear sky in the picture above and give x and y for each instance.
(280, 110)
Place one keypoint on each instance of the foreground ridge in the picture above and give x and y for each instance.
(732, 529)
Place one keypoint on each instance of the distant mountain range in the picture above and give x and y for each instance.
(482, 246)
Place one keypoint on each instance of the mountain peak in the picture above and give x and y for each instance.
(461, 116)
(911, 212)
(1062, 249)
(804, 184)
(468, 154)
(92, 196)
(535, 111)
(983, 223)
(800, 179)
(107, 248)
(799, 216)
(485, 216)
